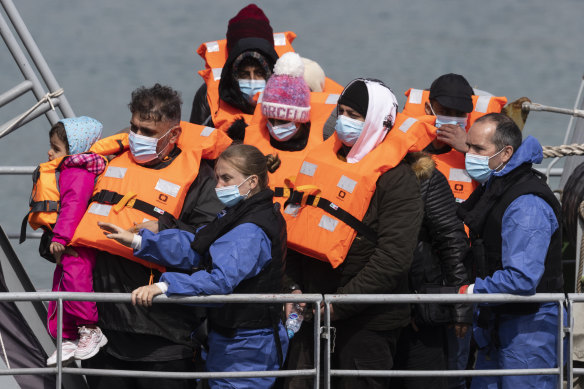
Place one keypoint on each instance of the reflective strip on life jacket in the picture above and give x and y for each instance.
(130, 194)
(451, 164)
(45, 196)
(350, 187)
(257, 134)
(214, 53)
(482, 105)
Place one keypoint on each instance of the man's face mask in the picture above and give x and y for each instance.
(443, 119)
(477, 166)
(143, 148)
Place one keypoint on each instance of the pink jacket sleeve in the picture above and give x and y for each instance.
(76, 186)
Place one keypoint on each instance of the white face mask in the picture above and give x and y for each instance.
(282, 132)
(229, 195)
(443, 119)
(143, 148)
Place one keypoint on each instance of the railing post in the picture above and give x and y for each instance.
(317, 332)
(59, 342)
(327, 342)
(560, 343)
(570, 361)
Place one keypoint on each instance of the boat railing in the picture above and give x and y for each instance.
(323, 333)
(48, 95)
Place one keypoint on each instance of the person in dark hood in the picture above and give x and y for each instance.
(250, 61)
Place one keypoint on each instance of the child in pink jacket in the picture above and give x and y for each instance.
(82, 338)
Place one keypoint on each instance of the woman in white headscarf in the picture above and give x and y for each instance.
(369, 133)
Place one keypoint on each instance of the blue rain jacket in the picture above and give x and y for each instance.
(527, 341)
(238, 255)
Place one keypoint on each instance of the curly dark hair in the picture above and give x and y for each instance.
(158, 103)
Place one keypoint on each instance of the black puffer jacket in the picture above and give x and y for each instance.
(229, 91)
(442, 242)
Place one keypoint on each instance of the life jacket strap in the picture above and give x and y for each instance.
(113, 198)
(301, 198)
(37, 206)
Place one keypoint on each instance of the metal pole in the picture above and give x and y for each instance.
(36, 54)
(570, 126)
(527, 106)
(327, 342)
(24, 65)
(570, 367)
(15, 92)
(38, 111)
(317, 332)
(59, 342)
(560, 343)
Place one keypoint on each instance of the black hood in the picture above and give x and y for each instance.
(228, 86)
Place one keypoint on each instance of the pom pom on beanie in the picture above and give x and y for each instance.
(287, 96)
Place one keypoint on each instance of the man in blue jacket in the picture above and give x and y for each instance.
(514, 220)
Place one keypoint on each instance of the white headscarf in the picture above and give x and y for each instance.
(381, 111)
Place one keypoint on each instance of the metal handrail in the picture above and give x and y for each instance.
(319, 332)
(32, 82)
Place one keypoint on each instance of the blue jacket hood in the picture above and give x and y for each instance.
(530, 151)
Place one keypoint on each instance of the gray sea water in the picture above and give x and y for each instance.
(100, 51)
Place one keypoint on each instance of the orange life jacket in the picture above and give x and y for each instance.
(257, 134)
(416, 105)
(214, 54)
(331, 197)
(451, 164)
(129, 193)
(45, 198)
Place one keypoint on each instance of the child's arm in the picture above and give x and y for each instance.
(76, 186)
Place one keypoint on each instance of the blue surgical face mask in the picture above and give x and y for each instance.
(250, 87)
(348, 130)
(143, 148)
(477, 166)
(282, 132)
(229, 195)
(443, 119)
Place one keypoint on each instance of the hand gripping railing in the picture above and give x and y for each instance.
(126, 298)
(47, 100)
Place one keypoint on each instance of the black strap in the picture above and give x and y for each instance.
(112, 198)
(330, 208)
(23, 228)
(37, 206)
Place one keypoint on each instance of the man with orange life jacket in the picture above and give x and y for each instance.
(289, 119)
(450, 100)
(162, 175)
(251, 58)
(357, 234)
(456, 106)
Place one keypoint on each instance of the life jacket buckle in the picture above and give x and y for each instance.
(126, 201)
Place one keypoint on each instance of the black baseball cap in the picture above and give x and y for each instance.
(452, 91)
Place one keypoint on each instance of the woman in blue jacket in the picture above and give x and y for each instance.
(241, 251)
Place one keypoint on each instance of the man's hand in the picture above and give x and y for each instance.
(288, 306)
(454, 136)
(144, 295)
(151, 225)
(112, 231)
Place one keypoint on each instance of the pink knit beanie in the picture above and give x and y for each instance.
(287, 96)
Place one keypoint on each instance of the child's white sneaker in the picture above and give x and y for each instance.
(68, 348)
(90, 341)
